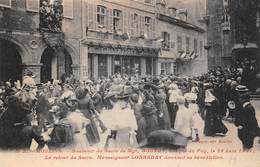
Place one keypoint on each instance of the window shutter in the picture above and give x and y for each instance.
(131, 27)
(153, 33)
(95, 15)
(5, 3)
(68, 8)
(32, 5)
(168, 40)
(110, 18)
(125, 21)
(142, 26)
(91, 18)
(121, 22)
(86, 14)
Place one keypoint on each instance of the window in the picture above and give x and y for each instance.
(5, 3)
(117, 20)
(166, 40)
(32, 5)
(187, 45)
(68, 8)
(195, 45)
(166, 68)
(134, 27)
(148, 26)
(179, 46)
(101, 15)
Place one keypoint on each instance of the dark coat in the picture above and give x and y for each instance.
(246, 118)
(86, 106)
(97, 101)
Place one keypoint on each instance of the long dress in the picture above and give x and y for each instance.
(184, 121)
(164, 121)
(86, 107)
(173, 107)
(78, 123)
(213, 122)
(141, 123)
(150, 115)
(122, 120)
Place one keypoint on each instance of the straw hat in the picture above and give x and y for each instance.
(242, 88)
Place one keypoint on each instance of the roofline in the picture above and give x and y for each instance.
(179, 22)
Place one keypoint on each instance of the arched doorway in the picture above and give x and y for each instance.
(55, 64)
(10, 62)
(47, 61)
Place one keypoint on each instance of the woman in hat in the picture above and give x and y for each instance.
(213, 122)
(122, 122)
(150, 113)
(174, 93)
(139, 115)
(86, 106)
(69, 130)
(163, 113)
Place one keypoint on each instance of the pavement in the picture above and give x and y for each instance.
(229, 141)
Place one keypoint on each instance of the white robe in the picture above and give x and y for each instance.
(184, 121)
(123, 120)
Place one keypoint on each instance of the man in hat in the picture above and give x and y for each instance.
(249, 76)
(246, 119)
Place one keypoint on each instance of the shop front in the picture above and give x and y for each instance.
(106, 60)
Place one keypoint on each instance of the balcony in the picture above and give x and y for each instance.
(51, 16)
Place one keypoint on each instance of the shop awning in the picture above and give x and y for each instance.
(182, 55)
(193, 55)
(187, 57)
(247, 46)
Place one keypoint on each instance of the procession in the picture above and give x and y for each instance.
(159, 74)
(136, 112)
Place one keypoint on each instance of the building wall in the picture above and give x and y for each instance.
(220, 51)
(20, 25)
(104, 35)
(198, 65)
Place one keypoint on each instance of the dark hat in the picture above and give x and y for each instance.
(241, 88)
(27, 88)
(80, 92)
(122, 96)
(156, 81)
(160, 138)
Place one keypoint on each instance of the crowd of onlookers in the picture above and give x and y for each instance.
(159, 103)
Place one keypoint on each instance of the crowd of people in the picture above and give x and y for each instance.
(134, 111)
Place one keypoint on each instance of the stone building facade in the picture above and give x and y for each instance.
(97, 38)
(23, 45)
(120, 38)
(183, 37)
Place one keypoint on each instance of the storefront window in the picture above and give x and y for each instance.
(117, 65)
(149, 66)
(102, 65)
(166, 68)
(127, 65)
